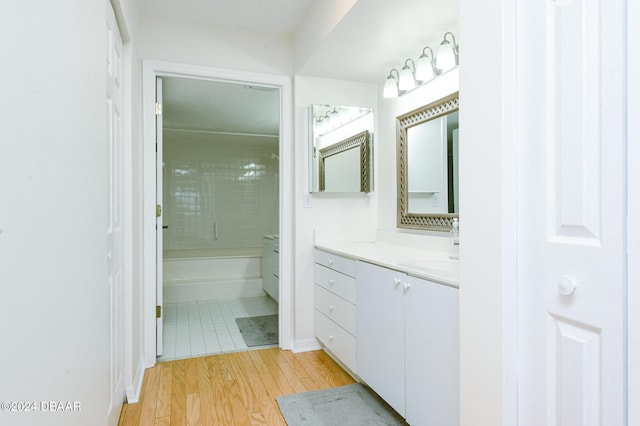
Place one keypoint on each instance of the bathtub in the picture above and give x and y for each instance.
(205, 274)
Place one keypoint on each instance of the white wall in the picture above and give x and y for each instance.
(331, 216)
(487, 210)
(199, 49)
(191, 43)
(633, 210)
(54, 308)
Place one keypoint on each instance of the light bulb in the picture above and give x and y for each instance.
(407, 80)
(390, 87)
(446, 58)
(424, 67)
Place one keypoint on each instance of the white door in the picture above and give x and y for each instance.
(159, 222)
(115, 237)
(571, 143)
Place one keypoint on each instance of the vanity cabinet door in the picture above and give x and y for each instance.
(267, 265)
(380, 331)
(432, 357)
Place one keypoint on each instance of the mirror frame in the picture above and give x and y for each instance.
(361, 140)
(424, 221)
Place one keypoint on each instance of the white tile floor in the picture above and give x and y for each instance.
(208, 327)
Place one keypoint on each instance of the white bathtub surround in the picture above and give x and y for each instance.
(209, 327)
(193, 275)
(219, 190)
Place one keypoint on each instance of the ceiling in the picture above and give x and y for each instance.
(224, 108)
(378, 35)
(371, 39)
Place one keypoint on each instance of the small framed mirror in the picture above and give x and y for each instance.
(344, 166)
(340, 148)
(427, 149)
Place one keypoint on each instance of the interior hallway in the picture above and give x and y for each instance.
(235, 388)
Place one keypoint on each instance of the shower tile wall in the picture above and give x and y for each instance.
(219, 188)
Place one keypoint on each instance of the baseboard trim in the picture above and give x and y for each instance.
(305, 345)
(133, 391)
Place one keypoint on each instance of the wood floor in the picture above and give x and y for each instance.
(229, 389)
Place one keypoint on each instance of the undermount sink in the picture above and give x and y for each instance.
(449, 266)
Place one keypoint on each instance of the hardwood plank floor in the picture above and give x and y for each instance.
(229, 389)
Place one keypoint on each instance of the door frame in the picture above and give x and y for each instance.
(632, 216)
(154, 68)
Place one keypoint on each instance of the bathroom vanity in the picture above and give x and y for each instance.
(389, 313)
(270, 266)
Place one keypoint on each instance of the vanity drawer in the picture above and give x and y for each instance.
(338, 263)
(336, 308)
(340, 284)
(336, 340)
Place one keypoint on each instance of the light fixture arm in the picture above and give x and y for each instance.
(430, 55)
(413, 64)
(453, 38)
(397, 77)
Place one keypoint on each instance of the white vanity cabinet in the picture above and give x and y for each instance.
(335, 306)
(407, 347)
(270, 266)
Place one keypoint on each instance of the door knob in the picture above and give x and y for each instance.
(566, 285)
(165, 226)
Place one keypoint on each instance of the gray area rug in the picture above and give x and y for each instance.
(259, 331)
(346, 405)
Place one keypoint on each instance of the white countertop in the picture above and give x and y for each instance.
(421, 263)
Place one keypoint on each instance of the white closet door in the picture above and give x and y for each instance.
(571, 144)
(115, 231)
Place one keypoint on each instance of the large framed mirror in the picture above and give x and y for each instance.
(427, 150)
(340, 148)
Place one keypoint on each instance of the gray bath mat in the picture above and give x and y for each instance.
(345, 405)
(259, 331)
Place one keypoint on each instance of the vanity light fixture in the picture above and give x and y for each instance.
(334, 118)
(391, 85)
(322, 123)
(447, 54)
(407, 80)
(425, 68)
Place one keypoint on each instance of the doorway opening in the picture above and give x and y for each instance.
(226, 141)
(219, 160)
